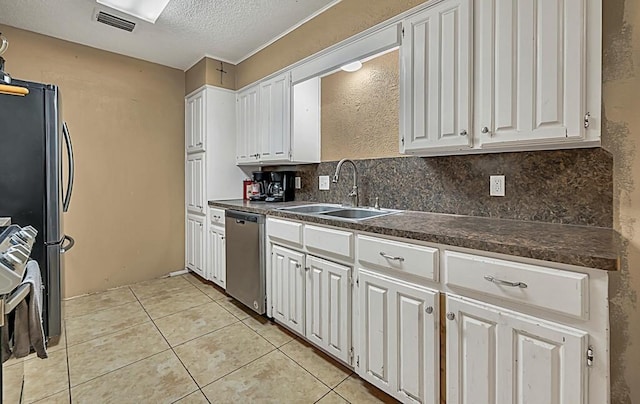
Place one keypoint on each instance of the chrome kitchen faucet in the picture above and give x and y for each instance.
(354, 191)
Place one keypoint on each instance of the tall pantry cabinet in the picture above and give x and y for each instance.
(210, 169)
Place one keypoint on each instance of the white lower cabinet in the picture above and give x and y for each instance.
(398, 349)
(287, 287)
(498, 356)
(195, 244)
(328, 307)
(217, 272)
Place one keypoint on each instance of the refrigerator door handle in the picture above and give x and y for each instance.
(69, 246)
(67, 197)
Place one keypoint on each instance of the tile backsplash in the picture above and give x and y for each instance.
(563, 186)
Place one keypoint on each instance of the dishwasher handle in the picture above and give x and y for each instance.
(243, 217)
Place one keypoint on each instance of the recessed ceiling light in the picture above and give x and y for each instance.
(352, 67)
(148, 10)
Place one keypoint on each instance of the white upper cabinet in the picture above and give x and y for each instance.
(435, 79)
(248, 126)
(275, 118)
(195, 122)
(501, 75)
(279, 124)
(530, 71)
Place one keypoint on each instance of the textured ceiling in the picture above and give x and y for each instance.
(187, 30)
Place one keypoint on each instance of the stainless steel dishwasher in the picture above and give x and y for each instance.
(246, 269)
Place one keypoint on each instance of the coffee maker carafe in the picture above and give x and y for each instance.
(260, 185)
(281, 186)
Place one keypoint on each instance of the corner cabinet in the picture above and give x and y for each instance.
(279, 123)
(528, 72)
(435, 83)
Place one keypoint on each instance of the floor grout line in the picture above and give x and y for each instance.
(66, 348)
(241, 367)
(177, 357)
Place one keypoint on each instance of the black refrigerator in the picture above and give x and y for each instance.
(36, 182)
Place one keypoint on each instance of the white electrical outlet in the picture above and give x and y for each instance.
(323, 183)
(496, 185)
(298, 185)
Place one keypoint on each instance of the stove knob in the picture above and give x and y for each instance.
(16, 239)
(26, 235)
(31, 231)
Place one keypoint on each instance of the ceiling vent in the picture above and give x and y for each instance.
(114, 21)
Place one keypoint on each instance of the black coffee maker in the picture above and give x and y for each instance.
(281, 186)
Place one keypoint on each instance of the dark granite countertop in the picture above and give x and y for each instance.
(592, 247)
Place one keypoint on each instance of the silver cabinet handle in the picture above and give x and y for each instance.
(463, 133)
(451, 316)
(307, 269)
(391, 257)
(505, 283)
(485, 130)
(429, 309)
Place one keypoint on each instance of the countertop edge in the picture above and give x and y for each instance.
(601, 262)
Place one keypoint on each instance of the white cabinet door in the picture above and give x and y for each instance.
(328, 307)
(275, 118)
(195, 246)
(195, 122)
(530, 71)
(287, 288)
(435, 79)
(217, 272)
(497, 356)
(248, 119)
(194, 186)
(398, 349)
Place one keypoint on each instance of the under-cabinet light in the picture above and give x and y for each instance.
(147, 10)
(352, 67)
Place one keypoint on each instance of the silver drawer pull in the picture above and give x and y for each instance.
(505, 283)
(391, 257)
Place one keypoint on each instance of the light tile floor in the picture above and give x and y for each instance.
(182, 339)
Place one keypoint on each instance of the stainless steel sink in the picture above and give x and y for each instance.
(315, 208)
(338, 212)
(355, 213)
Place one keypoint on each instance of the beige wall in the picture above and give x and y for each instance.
(338, 23)
(126, 118)
(360, 111)
(207, 71)
(621, 136)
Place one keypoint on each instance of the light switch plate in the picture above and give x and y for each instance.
(298, 184)
(323, 183)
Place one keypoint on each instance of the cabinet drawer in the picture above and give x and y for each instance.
(410, 258)
(551, 289)
(217, 216)
(329, 241)
(284, 230)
